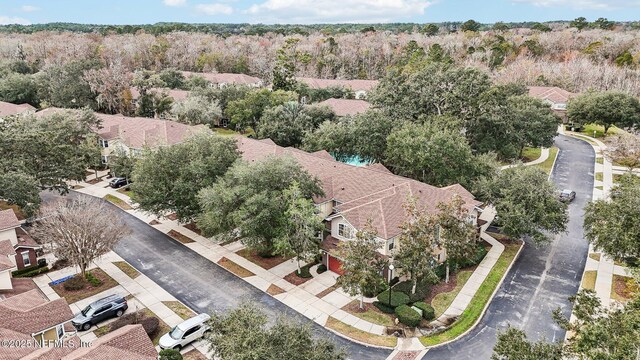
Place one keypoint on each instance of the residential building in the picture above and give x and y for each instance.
(556, 97)
(8, 109)
(354, 195)
(346, 107)
(17, 248)
(221, 80)
(360, 87)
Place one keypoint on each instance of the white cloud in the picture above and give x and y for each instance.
(330, 11)
(584, 4)
(7, 20)
(174, 2)
(214, 9)
(29, 8)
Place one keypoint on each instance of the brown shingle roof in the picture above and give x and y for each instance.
(364, 193)
(344, 107)
(8, 220)
(55, 352)
(7, 109)
(14, 352)
(554, 94)
(128, 342)
(24, 240)
(226, 78)
(31, 312)
(354, 85)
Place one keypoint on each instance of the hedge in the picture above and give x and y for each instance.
(384, 307)
(408, 316)
(427, 310)
(170, 354)
(150, 325)
(422, 289)
(397, 298)
(30, 271)
(321, 268)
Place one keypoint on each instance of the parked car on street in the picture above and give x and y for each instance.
(185, 332)
(118, 182)
(567, 195)
(100, 310)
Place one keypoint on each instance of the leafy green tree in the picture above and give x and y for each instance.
(612, 225)
(20, 189)
(168, 179)
(361, 263)
(334, 137)
(243, 334)
(418, 232)
(513, 345)
(471, 25)
(246, 112)
(526, 202)
(223, 96)
(196, 110)
(541, 27)
(286, 63)
(316, 95)
(608, 109)
(439, 157)
(195, 82)
(457, 235)
(19, 89)
(579, 23)
(65, 86)
(121, 163)
(430, 30)
(302, 226)
(51, 149)
(500, 26)
(286, 124)
(624, 59)
(172, 78)
(604, 24)
(249, 199)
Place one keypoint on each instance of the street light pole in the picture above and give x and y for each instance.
(391, 267)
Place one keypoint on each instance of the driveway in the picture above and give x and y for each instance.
(202, 285)
(542, 278)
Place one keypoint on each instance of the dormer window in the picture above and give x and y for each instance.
(344, 231)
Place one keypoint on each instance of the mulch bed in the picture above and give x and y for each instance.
(154, 222)
(234, 268)
(172, 216)
(274, 290)
(264, 262)
(180, 237)
(327, 291)
(193, 227)
(295, 279)
(621, 287)
(72, 296)
(94, 181)
(193, 355)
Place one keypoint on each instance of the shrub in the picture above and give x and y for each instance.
(408, 316)
(42, 262)
(304, 272)
(427, 310)
(33, 271)
(477, 257)
(169, 354)
(74, 284)
(384, 307)
(127, 319)
(94, 281)
(59, 264)
(397, 298)
(422, 289)
(373, 289)
(322, 268)
(150, 325)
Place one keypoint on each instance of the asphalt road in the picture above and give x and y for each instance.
(202, 285)
(542, 278)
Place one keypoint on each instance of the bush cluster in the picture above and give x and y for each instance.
(397, 298)
(428, 313)
(169, 354)
(408, 316)
(94, 281)
(321, 268)
(74, 284)
(422, 289)
(150, 325)
(127, 319)
(30, 271)
(384, 307)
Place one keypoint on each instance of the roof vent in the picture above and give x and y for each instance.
(342, 188)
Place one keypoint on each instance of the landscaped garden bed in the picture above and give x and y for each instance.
(623, 288)
(359, 335)
(153, 325)
(193, 227)
(264, 262)
(234, 268)
(180, 237)
(370, 313)
(81, 289)
(127, 269)
(179, 308)
(589, 279)
(193, 355)
(443, 294)
(274, 290)
(117, 202)
(300, 278)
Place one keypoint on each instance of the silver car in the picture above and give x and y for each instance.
(186, 332)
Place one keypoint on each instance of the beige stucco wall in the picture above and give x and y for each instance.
(9, 235)
(325, 209)
(335, 223)
(5, 280)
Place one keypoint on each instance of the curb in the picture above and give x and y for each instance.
(486, 306)
(553, 166)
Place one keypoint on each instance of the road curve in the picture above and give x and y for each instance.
(203, 285)
(542, 278)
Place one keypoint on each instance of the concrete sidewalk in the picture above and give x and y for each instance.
(544, 155)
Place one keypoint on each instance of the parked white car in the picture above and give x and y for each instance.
(186, 332)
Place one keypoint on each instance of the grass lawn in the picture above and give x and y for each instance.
(127, 269)
(88, 290)
(226, 132)
(600, 187)
(599, 131)
(599, 176)
(234, 268)
(595, 256)
(589, 279)
(585, 138)
(600, 160)
(530, 154)
(264, 262)
(16, 209)
(125, 191)
(274, 290)
(623, 288)
(442, 301)
(180, 237)
(163, 328)
(480, 299)
(370, 313)
(547, 165)
(117, 202)
(357, 334)
(179, 308)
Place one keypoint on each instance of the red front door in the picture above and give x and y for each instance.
(335, 265)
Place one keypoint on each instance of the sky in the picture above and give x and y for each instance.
(120, 12)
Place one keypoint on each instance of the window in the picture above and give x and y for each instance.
(104, 143)
(344, 231)
(191, 331)
(104, 159)
(103, 309)
(391, 245)
(60, 331)
(25, 259)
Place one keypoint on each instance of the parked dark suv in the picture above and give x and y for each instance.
(118, 182)
(97, 311)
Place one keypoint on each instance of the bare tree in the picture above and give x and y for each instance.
(79, 230)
